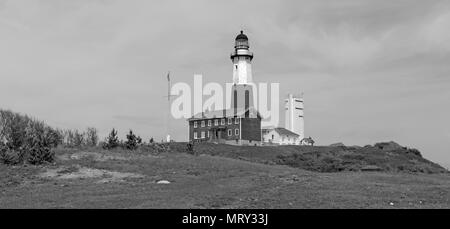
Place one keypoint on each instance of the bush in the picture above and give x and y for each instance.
(74, 138)
(415, 152)
(12, 128)
(132, 141)
(38, 144)
(112, 141)
(91, 136)
(9, 157)
(25, 139)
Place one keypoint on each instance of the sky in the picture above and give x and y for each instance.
(370, 71)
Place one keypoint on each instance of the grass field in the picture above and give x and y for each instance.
(94, 178)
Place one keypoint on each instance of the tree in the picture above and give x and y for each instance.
(91, 136)
(74, 138)
(112, 141)
(38, 144)
(132, 141)
(25, 139)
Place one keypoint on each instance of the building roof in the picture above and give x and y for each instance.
(223, 114)
(282, 131)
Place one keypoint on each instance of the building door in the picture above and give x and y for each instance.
(219, 134)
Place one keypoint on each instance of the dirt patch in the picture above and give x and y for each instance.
(95, 156)
(78, 172)
(102, 157)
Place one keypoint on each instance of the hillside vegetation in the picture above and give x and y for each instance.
(45, 167)
(164, 177)
(389, 157)
(25, 139)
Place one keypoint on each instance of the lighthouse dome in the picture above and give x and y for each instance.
(242, 41)
(242, 36)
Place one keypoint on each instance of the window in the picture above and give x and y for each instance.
(195, 124)
(236, 120)
(230, 132)
(195, 135)
(207, 134)
(222, 121)
(230, 121)
(209, 122)
(203, 123)
(236, 132)
(203, 134)
(216, 122)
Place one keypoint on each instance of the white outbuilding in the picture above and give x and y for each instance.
(280, 136)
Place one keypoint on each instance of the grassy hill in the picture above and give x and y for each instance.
(214, 178)
(389, 157)
(44, 167)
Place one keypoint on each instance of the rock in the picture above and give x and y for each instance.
(163, 182)
(337, 144)
(388, 146)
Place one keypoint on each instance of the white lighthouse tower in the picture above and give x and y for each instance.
(294, 114)
(242, 60)
(242, 90)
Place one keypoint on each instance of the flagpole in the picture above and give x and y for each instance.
(168, 108)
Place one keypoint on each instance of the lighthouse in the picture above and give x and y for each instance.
(242, 91)
(242, 60)
(240, 122)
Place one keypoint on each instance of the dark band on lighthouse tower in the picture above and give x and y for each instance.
(242, 60)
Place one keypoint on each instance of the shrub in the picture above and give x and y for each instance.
(25, 139)
(13, 127)
(11, 157)
(38, 144)
(74, 138)
(415, 152)
(91, 136)
(112, 140)
(78, 139)
(132, 141)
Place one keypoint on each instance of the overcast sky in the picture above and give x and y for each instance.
(371, 70)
